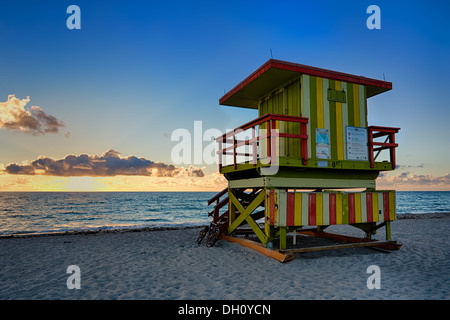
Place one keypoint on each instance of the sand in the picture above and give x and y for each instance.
(168, 264)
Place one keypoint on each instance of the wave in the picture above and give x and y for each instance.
(104, 229)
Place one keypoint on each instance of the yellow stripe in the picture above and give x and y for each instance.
(319, 90)
(357, 207)
(339, 208)
(374, 207)
(392, 205)
(298, 209)
(339, 123)
(319, 209)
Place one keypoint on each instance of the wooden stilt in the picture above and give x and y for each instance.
(388, 230)
(283, 242)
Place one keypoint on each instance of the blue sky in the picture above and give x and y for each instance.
(137, 70)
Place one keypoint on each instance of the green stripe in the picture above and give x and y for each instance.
(344, 120)
(326, 106)
(333, 129)
(305, 108)
(293, 104)
(362, 105)
(351, 106)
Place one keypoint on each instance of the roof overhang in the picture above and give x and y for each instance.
(275, 73)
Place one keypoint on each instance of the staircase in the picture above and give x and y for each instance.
(219, 224)
(221, 201)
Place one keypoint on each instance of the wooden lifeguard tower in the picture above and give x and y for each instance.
(310, 160)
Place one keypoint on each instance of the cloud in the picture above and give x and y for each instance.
(35, 121)
(406, 177)
(422, 165)
(109, 164)
(406, 180)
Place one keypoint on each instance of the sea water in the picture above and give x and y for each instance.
(42, 212)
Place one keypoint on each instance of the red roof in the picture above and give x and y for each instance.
(274, 73)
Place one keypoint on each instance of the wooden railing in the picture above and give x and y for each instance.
(229, 144)
(220, 203)
(374, 132)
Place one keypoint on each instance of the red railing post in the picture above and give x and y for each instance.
(392, 149)
(388, 144)
(220, 151)
(303, 142)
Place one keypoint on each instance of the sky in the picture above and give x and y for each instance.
(94, 109)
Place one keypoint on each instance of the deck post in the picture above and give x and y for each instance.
(388, 230)
(283, 233)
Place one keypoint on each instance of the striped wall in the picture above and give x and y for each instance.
(307, 97)
(328, 208)
(331, 115)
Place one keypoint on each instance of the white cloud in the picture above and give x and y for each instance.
(35, 121)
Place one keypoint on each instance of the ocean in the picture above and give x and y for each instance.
(44, 212)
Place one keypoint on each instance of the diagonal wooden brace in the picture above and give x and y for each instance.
(245, 215)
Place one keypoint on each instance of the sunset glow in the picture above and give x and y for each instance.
(93, 107)
(213, 182)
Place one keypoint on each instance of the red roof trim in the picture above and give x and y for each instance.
(312, 71)
(266, 66)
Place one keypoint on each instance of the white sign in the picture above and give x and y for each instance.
(356, 143)
(322, 144)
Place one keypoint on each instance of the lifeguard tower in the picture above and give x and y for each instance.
(310, 160)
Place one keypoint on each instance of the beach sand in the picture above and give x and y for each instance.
(168, 264)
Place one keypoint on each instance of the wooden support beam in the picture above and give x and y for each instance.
(388, 245)
(381, 244)
(245, 215)
(257, 230)
(272, 253)
(244, 212)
